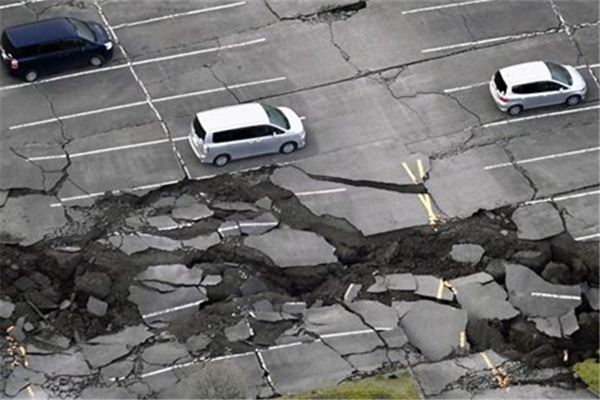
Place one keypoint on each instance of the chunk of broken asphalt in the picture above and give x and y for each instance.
(240, 331)
(486, 301)
(197, 343)
(96, 307)
(375, 314)
(467, 253)
(432, 287)
(6, 309)
(537, 298)
(352, 292)
(194, 212)
(435, 329)
(537, 222)
(97, 284)
(174, 274)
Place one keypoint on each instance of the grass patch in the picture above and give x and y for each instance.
(589, 372)
(399, 385)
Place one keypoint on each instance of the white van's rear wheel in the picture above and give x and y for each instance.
(288, 147)
(221, 160)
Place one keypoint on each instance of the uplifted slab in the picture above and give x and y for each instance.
(355, 204)
(485, 301)
(376, 314)
(293, 248)
(156, 306)
(434, 329)
(537, 221)
(174, 274)
(537, 298)
(331, 319)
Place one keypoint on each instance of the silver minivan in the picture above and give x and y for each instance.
(246, 130)
(536, 84)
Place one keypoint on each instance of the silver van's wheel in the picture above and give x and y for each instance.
(31, 76)
(288, 147)
(222, 160)
(573, 100)
(515, 110)
(96, 61)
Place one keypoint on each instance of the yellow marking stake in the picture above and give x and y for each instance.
(462, 343)
(440, 289)
(500, 376)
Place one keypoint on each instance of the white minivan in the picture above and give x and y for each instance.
(223, 134)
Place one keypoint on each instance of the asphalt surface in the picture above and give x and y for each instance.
(401, 133)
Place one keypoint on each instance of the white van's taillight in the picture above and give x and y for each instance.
(14, 64)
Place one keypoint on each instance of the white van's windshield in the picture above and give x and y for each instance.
(276, 117)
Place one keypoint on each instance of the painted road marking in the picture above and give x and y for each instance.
(325, 191)
(462, 340)
(562, 198)
(478, 84)
(173, 309)
(425, 198)
(144, 102)
(469, 44)
(434, 8)
(548, 157)
(538, 116)
(500, 376)
(177, 15)
(137, 63)
(555, 296)
(588, 237)
(113, 192)
(106, 149)
(19, 3)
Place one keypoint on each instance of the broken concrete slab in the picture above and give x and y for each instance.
(259, 225)
(154, 306)
(291, 248)
(167, 353)
(568, 324)
(240, 331)
(68, 363)
(486, 301)
(537, 221)
(6, 309)
(162, 223)
(402, 307)
(550, 326)
(592, 295)
(479, 277)
(467, 253)
(229, 229)
(131, 336)
(197, 343)
(264, 202)
(347, 343)
(394, 338)
(116, 370)
(135, 243)
(194, 212)
(96, 307)
(369, 362)
(315, 365)
(100, 355)
(202, 242)
(537, 298)
(211, 280)
(379, 286)
(435, 329)
(20, 378)
(432, 287)
(352, 292)
(375, 314)
(26, 220)
(293, 307)
(401, 282)
(234, 206)
(174, 274)
(331, 319)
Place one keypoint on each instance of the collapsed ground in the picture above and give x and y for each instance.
(97, 255)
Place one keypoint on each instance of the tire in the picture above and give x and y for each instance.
(96, 61)
(515, 110)
(31, 76)
(573, 100)
(288, 147)
(221, 160)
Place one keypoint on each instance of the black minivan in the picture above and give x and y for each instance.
(54, 45)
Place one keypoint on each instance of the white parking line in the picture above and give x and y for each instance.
(588, 237)
(114, 192)
(538, 116)
(555, 296)
(542, 158)
(325, 191)
(434, 8)
(19, 3)
(140, 103)
(181, 14)
(563, 198)
(105, 150)
(173, 309)
(468, 44)
(137, 63)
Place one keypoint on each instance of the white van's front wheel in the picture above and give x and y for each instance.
(221, 160)
(288, 147)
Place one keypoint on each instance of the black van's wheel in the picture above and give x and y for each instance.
(515, 110)
(221, 160)
(288, 147)
(96, 61)
(573, 100)
(31, 76)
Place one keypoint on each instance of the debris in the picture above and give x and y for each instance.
(96, 307)
(467, 253)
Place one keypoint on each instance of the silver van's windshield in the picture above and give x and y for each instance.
(559, 73)
(276, 117)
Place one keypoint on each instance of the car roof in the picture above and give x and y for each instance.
(232, 117)
(529, 72)
(40, 32)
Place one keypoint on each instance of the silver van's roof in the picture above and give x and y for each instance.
(529, 72)
(232, 117)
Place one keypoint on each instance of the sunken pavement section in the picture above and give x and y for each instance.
(246, 286)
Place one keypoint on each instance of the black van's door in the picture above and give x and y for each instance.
(71, 54)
